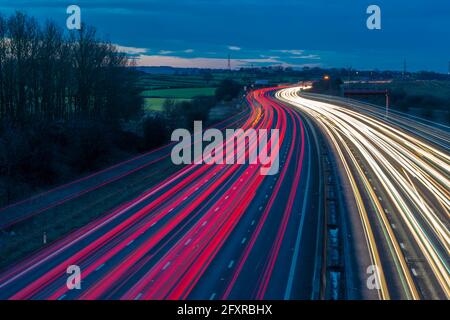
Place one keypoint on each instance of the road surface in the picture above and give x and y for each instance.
(206, 232)
(398, 172)
(228, 232)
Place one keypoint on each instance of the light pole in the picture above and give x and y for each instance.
(387, 103)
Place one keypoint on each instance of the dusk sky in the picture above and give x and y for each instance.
(326, 33)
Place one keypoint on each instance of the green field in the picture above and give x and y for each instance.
(184, 87)
(155, 82)
(182, 93)
(154, 99)
(177, 81)
(156, 104)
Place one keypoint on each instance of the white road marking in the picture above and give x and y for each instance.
(99, 267)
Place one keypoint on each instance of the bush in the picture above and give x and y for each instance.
(90, 145)
(155, 132)
(228, 90)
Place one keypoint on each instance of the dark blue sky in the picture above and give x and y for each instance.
(328, 33)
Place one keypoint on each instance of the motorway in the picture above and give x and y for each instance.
(206, 232)
(227, 232)
(397, 170)
(75, 190)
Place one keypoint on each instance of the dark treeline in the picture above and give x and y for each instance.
(46, 73)
(331, 87)
(64, 96)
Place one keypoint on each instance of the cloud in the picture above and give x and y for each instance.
(308, 56)
(165, 52)
(180, 62)
(234, 48)
(210, 63)
(294, 52)
(269, 57)
(130, 50)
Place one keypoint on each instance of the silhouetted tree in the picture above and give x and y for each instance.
(48, 74)
(228, 89)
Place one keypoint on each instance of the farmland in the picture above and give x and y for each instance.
(184, 87)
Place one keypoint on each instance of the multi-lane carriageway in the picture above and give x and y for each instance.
(208, 231)
(228, 232)
(397, 172)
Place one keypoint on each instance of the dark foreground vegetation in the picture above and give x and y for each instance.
(158, 127)
(62, 98)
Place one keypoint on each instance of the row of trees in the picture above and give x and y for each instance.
(63, 95)
(47, 73)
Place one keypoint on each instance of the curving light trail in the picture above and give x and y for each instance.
(161, 244)
(413, 173)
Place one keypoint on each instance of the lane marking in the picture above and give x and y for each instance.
(290, 282)
(99, 267)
